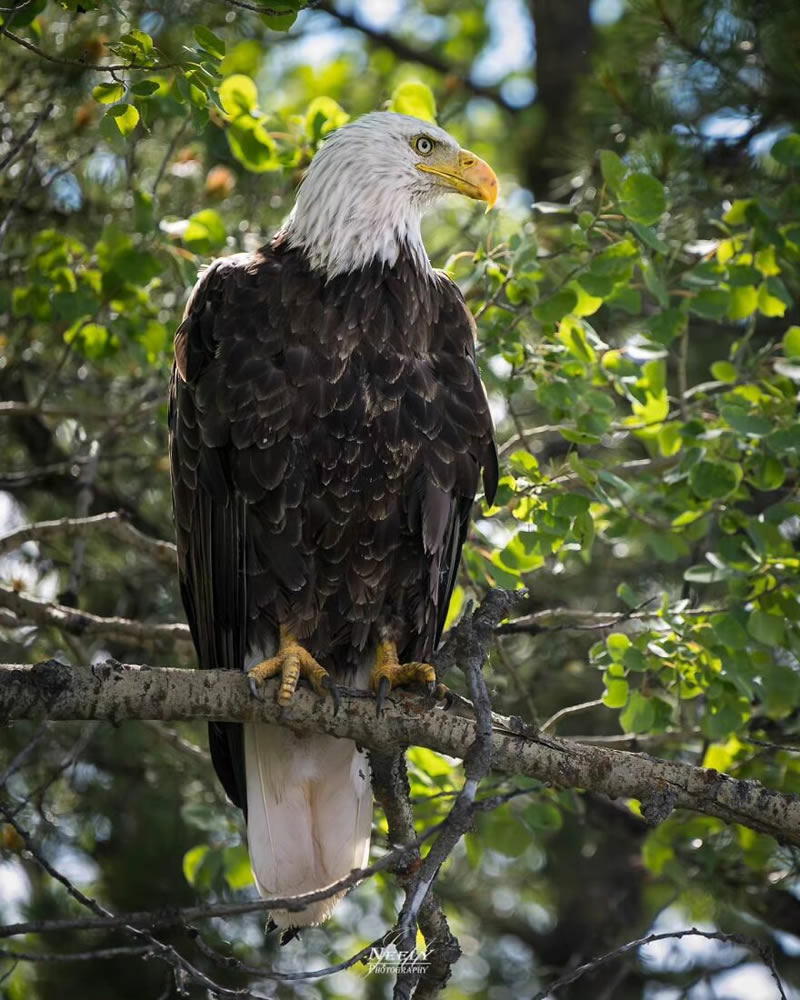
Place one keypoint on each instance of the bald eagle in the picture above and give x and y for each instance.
(328, 430)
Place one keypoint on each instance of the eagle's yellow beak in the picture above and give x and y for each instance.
(469, 175)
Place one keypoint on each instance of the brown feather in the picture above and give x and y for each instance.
(326, 439)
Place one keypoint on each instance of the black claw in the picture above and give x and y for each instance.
(328, 683)
(380, 698)
(254, 689)
(271, 926)
(289, 934)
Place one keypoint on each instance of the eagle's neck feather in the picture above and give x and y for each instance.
(347, 217)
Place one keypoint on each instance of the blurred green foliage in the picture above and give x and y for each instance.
(639, 333)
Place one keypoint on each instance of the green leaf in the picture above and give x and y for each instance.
(773, 298)
(665, 326)
(730, 630)
(785, 439)
(618, 644)
(245, 57)
(616, 261)
(236, 867)
(612, 168)
(125, 116)
(769, 304)
(714, 480)
(543, 816)
(744, 422)
(724, 371)
(739, 212)
(145, 88)
(766, 628)
(642, 198)
(554, 309)
(108, 93)
(787, 150)
(791, 342)
(626, 298)
(252, 145)
(766, 473)
(572, 335)
(208, 41)
(137, 266)
(740, 275)
(138, 40)
(238, 95)
(205, 232)
(414, 98)
(639, 715)
(282, 14)
(587, 304)
(649, 237)
(192, 861)
(781, 686)
(743, 302)
(323, 116)
(569, 505)
(711, 303)
(616, 692)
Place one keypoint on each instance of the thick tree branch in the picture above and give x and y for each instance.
(52, 690)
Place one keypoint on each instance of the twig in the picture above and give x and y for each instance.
(570, 710)
(155, 947)
(76, 956)
(184, 916)
(43, 115)
(745, 942)
(13, 408)
(166, 158)
(12, 208)
(75, 64)
(591, 621)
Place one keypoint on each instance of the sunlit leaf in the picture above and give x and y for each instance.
(414, 98)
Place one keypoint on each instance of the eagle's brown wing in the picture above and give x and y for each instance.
(464, 451)
(209, 519)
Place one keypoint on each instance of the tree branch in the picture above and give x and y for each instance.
(68, 527)
(409, 53)
(751, 943)
(29, 609)
(52, 690)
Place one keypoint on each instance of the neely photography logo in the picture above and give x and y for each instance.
(389, 959)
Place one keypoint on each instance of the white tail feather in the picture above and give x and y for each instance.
(309, 815)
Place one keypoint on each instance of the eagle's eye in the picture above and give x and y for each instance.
(423, 145)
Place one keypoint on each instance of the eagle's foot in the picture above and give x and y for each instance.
(389, 673)
(292, 662)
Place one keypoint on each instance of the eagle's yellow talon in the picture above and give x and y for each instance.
(291, 661)
(388, 673)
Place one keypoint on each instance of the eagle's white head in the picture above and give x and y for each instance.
(366, 189)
